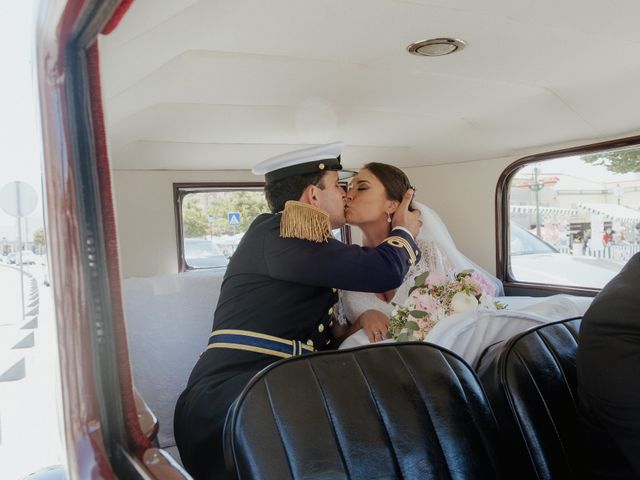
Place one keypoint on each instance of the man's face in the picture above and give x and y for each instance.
(331, 198)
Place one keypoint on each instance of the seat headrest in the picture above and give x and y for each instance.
(386, 411)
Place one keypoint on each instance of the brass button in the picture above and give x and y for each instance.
(310, 342)
(321, 166)
(331, 323)
(321, 328)
(330, 311)
(334, 290)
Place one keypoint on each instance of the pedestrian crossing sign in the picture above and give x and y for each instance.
(233, 218)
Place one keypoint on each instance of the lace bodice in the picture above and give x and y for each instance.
(352, 304)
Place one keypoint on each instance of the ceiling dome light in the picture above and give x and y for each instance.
(436, 47)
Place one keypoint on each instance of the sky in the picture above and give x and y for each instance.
(19, 140)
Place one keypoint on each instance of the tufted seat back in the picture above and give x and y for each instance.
(168, 319)
(386, 411)
(530, 380)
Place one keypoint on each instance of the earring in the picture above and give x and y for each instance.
(388, 217)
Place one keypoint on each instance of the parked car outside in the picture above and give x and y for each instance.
(28, 258)
(202, 253)
(534, 260)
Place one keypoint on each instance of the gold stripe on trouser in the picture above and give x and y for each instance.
(249, 333)
(296, 345)
(249, 348)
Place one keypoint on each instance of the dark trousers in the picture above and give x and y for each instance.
(199, 425)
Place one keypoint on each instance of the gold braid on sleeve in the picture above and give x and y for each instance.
(400, 242)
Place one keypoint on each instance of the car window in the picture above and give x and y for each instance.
(574, 220)
(212, 219)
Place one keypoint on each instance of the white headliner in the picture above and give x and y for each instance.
(224, 84)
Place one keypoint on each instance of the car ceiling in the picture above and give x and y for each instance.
(222, 84)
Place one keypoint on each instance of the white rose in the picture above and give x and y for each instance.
(486, 302)
(463, 302)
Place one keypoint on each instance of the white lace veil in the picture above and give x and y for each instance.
(434, 230)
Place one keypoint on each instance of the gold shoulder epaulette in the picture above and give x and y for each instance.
(304, 221)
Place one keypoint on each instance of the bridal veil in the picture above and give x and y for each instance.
(434, 230)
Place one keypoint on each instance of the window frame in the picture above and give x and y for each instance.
(181, 190)
(503, 269)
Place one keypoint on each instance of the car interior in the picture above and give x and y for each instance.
(200, 91)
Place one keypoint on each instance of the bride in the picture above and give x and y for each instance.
(373, 197)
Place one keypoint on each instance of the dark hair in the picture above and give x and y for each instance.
(394, 180)
(290, 188)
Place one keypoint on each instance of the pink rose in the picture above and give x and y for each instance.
(428, 304)
(482, 284)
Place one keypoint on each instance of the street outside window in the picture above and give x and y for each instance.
(575, 221)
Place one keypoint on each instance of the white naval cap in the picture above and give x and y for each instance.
(300, 162)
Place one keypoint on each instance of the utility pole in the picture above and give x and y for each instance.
(19, 200)
(536, 187)
(619, 192)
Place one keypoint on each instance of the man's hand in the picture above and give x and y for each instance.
(375, 324)
(404, 218)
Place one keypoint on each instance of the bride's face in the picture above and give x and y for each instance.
(367, 200)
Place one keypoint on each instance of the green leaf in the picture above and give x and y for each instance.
(420, 279)
(412, 326)
(417, 313)
(464, 273)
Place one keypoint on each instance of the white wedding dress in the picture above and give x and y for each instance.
(468, 333)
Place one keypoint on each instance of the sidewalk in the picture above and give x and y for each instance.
(30, 437)
(10, 296)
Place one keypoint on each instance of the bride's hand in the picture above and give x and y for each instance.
(375, 324)
(404, 218)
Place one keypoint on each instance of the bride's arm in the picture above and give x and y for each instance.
(342, 332)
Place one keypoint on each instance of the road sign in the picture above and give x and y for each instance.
(18, 199)
(233, 218)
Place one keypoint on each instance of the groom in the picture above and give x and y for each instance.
(278, 292)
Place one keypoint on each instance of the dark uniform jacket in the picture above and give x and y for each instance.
(284, 287)
(608, 364)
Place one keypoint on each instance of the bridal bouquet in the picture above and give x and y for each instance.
(435, 296)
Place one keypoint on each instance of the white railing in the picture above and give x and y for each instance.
(614, 252)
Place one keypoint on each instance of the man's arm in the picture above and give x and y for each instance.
(335, 264)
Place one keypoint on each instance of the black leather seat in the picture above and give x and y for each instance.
(530, 380)
(387, 411)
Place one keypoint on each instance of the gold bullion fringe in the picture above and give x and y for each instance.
(304, 221)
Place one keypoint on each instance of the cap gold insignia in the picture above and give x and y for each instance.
(304, 221)
(321, 166)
